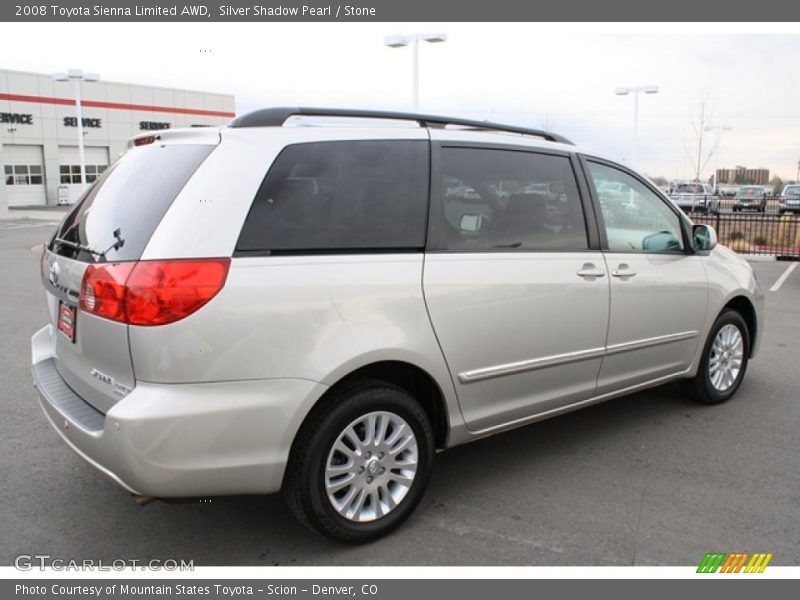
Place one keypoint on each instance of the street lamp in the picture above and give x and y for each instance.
(635, 90)
(400, 41)
(77, 76)
(719, 129)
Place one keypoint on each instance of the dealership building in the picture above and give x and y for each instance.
(39, 155)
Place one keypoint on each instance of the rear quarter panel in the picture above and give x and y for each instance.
(316, 318)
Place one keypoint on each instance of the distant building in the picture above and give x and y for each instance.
(38, 129)
(743, 176)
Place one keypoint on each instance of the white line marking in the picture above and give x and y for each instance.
(777, 285)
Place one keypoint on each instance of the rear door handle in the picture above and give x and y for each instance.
(589, 271)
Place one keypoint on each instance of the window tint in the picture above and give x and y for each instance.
(635, 218)
(689, 188)
(340, 196)
(132, 196)
(509, 200)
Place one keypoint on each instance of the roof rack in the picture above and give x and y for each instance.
(276, 117)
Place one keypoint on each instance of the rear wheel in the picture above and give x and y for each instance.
(361, 464)
(724, 360)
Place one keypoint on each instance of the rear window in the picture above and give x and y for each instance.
(132, 196)
(792, 190)
(689, 189)
(340, 197)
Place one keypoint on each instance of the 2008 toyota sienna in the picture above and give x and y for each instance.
(317, 309)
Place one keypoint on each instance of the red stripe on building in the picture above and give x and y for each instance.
(117, 105)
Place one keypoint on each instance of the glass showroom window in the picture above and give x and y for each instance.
(72, 173)
(23, 174)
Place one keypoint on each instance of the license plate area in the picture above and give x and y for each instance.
(67, 321)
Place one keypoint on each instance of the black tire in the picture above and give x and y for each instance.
(700, 387)
(304, 484)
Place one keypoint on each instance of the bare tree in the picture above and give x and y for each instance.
(548, 124)
(701, 149)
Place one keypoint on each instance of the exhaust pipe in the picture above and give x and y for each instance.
(143, 500)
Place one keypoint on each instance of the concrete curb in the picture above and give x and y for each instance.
(35, 215)
(759, 258)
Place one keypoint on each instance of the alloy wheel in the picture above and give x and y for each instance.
(371, 466)
(725, 360)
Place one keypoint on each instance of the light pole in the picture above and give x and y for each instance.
(635, 90)
(413, 40)
(719, 129)
(77, 76)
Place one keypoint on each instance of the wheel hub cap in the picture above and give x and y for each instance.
(371, 466)
(725, 360)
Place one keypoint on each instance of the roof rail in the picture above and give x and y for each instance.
(276, 117)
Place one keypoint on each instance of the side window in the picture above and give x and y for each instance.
(340, 196)
(635, 218)
(509, 200)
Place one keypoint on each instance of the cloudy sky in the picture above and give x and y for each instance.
(560, 76)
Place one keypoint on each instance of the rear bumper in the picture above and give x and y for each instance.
(180, 440)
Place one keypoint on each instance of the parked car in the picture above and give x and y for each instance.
(789, 200)
(695, 197)
(750, 197)
(326, 320)
(619, 193)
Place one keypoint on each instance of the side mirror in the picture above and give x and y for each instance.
(471, 223)
(704, 238)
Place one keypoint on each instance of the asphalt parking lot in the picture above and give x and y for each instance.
(650, 479)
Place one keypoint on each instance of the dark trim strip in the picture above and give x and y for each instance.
(325, 251)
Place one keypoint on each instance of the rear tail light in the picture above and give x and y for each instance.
(103, 290)
(151, 292)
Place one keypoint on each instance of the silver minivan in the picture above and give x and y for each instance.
(316, 301)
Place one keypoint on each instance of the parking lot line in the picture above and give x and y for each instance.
(777, 285)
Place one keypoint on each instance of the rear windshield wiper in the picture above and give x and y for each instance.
(83, 247)
(77, 246)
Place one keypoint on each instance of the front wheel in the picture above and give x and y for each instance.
(724, 362)
(360, 465)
